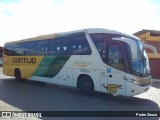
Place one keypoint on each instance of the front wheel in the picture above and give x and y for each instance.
(86, 85)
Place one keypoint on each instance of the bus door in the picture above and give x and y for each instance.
(116, 68)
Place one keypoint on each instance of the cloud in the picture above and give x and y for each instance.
(33, 17)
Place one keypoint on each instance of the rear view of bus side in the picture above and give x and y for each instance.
(89, 59)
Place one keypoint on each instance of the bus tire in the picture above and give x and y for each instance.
(85, 85)
(17, 74)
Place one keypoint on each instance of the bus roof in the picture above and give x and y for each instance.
(89, 31)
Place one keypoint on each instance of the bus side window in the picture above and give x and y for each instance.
(58, 46)
(101, 46)
(78, 45)
(18, 49)
(115, 57)
(100, 42)
(42, 47)
(29, 48)
(8, 50)
(53, 49)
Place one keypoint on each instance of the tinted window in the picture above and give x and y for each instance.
(100, 41)
(78, 45)
(115, 56)
(18, 49)
(13, 49)
(58, 46)
(8, 49)
(110, 51)
(42, 47)
(69, 45)
(28, 48)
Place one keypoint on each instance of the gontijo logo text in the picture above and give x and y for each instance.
(24, 60)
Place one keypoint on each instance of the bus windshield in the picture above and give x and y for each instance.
(140, 64)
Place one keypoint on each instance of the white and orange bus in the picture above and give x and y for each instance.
(90, 59)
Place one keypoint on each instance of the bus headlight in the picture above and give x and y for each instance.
(141, 83)
(135, 82)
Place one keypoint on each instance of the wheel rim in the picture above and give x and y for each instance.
(87, 86)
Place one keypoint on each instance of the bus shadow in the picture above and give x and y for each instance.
(39, 96)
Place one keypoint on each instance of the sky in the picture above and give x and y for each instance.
(21, 19)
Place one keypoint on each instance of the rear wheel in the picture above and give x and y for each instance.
(17, 74)
(86, 85)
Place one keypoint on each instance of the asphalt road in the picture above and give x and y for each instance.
(37, 96)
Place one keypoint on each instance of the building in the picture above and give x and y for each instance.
(152, 37)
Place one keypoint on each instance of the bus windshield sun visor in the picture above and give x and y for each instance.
(131, 44)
